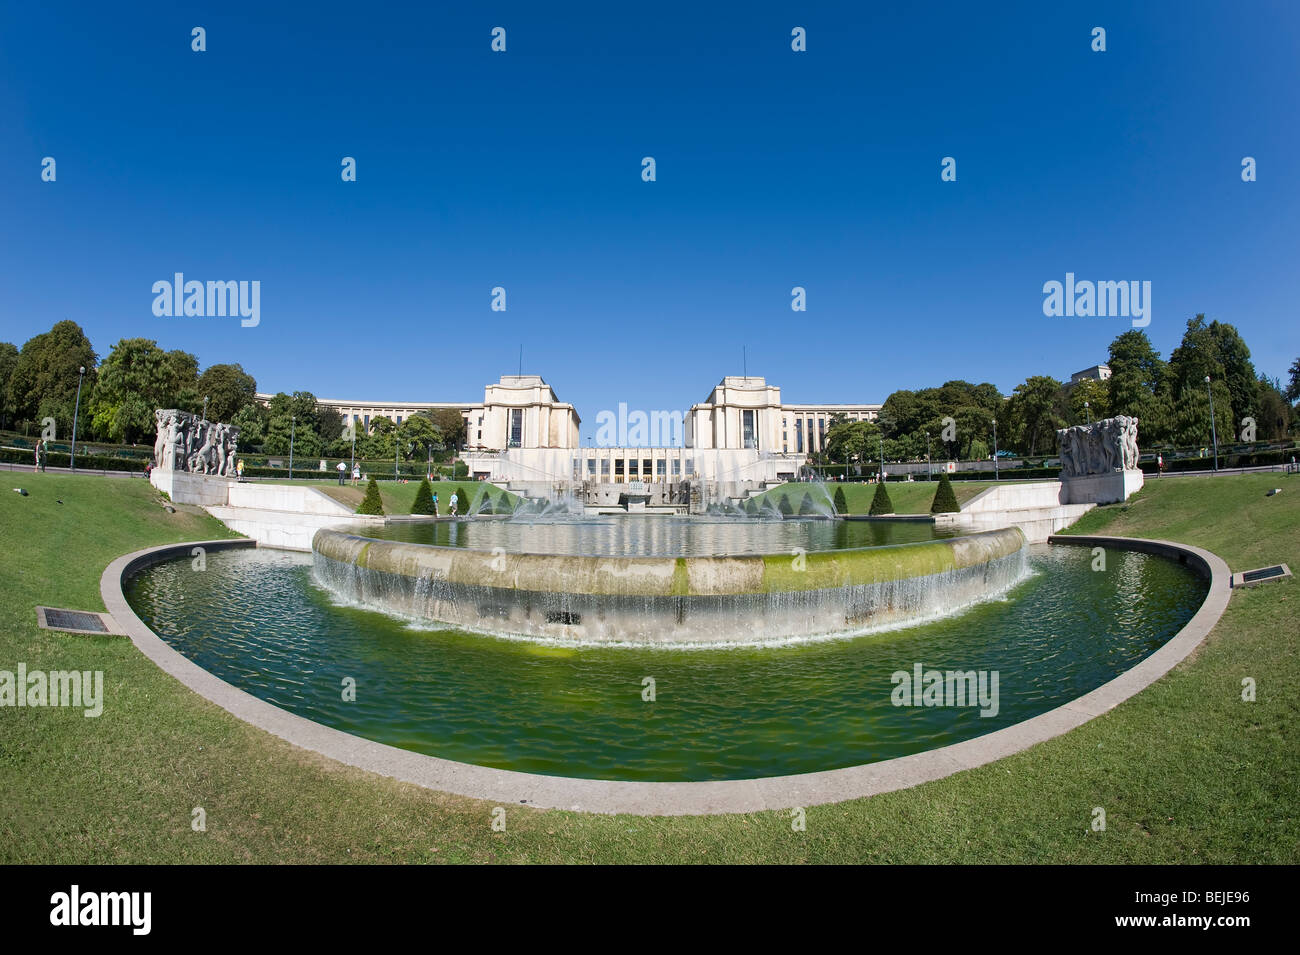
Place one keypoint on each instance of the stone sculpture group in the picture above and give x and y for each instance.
(187, 442)
(1099, 448)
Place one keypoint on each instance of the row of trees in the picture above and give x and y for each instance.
(1170, 398)
(119, 395)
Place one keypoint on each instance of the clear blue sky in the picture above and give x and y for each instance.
(775, 169)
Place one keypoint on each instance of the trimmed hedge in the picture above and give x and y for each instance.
(945, 501)
(423, 503)
(372, 503)
(880, 503)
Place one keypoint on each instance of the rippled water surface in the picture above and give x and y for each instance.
(257, 619)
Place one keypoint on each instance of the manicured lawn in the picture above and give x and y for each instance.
(1186, 771)
(399, 497)
(909, 497)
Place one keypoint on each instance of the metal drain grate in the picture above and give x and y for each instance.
(75, 621)
(1261, 575)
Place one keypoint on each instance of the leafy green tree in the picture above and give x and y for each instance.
(783, 505)
(945, 501)
(1275, 414)
(1033, 415)
(423, 503)
(1292, 392)
(880, 503)
(136, 378)
(8, 362)
(229, 390)
(451, 425)
(382, 440)
(372, 503)
(44, 380)
(841, 503)
(251, 421)
(1095, 393)
(417, 436)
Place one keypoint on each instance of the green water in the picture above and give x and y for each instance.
(258, 620)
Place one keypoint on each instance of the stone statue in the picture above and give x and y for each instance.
(1102, 447)
(186, 442)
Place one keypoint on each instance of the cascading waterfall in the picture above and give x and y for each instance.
(652, 600)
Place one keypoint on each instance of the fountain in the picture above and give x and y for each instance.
(671, 599)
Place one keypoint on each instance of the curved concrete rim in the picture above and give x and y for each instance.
(504, 786)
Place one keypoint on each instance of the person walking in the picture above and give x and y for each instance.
(40, 455)
(435, 503)
(453, 504)
(239, 470)
(343, 470)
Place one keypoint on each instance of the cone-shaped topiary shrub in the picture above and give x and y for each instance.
(462, 501)
(783, 505)
(372, 503)
(806, 505)
(841, 502)
(423, 503)
(881, 504)
(945, 501)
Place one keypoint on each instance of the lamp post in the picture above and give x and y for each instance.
(882, 457)
(354, 445)
(1088, 412)
(292, 420)
(996, 477)
(396, 448)
(1214, 434)
(929, 468)
(72, 459)
(205, 407)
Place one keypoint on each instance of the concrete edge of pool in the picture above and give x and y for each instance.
(507, 787)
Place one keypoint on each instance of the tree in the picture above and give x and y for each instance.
(1275, 413)
(783, 505)
(136, 378)
(451, 424)
(229, 390)
(251, 421)
(44, 380)
(1095, 393)
(945, 501)
(1292, 392)
(806, 505)
(841, 503)
(462, 500)
(372, 503)
(848, 441)
(880, 503)
(423, 503)
(1033, 415)
(417, 436)
(8, 362)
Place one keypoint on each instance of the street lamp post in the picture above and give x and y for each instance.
(996, 477)
(72, 459)
(1088, 412)
(292, 420)
(882, 457)
(929, 468)
(205, 407)
(1214, 434)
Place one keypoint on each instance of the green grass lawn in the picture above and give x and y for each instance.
(1186, 771)
(909, 497)
(399, 497)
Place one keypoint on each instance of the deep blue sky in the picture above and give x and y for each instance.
(775, 169)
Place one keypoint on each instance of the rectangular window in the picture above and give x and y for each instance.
(677, 467)
(591, 467)
(604, 469)
(631, 467)
(750, 439)
(367, 424)
(645, 468)
(516, 428)
(798, 436)
(399, 419)
(661, 469)
(689, 467)
(618, 470)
